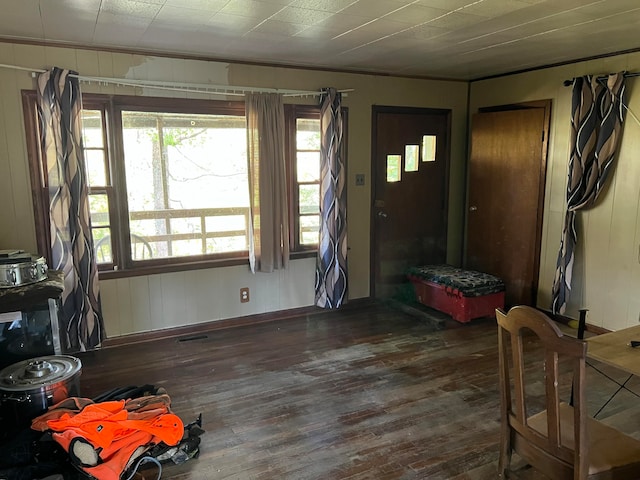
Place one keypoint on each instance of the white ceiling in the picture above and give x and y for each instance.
(459, 39)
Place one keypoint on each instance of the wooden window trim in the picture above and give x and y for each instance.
(111, 106)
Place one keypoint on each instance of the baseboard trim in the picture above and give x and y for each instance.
(200, 328)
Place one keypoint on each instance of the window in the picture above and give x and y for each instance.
(168, 180)
(303, 140)
(394, 168)
(411, 158)
(304, 162)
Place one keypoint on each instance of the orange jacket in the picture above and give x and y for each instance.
(102, 423)
(104, 438)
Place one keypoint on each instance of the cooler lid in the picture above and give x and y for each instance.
(38, 372)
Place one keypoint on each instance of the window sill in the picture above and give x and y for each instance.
(187, 266)
(173, 267)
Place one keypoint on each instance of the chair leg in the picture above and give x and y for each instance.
(504, 461)
(503, 466)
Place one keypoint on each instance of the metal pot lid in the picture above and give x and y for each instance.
(39, 372)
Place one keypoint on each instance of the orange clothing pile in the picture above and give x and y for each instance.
(104, 438)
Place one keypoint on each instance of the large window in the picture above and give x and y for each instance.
(168, 180)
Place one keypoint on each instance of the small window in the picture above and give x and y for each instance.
(304, 166)
(411, 153)
(101, 207)
(429, 148)
(308, 179)
(393, 168)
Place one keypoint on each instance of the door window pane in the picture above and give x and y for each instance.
(429, 148)
(411, 158)
(393, 168)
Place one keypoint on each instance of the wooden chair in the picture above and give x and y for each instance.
(560, 441)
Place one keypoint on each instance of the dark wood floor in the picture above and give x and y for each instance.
(362, 393)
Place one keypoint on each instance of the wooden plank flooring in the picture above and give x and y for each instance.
(362, 393)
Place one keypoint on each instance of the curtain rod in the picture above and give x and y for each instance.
(567, 83)
(227, 90)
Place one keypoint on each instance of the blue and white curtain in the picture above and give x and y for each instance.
(331, 266)
(597, 116)
(59, 116)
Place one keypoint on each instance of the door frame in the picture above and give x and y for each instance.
(546, 105)
(375, 110)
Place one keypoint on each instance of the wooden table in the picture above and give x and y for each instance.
(613, 349)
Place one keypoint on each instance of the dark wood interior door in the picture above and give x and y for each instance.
(411, 177)
(506, 189)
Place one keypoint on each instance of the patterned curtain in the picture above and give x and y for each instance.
(331, 265)
(597, 115)
(59, 115)
(269, 207)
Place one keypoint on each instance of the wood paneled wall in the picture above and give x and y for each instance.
(607, 268)
(160, 301)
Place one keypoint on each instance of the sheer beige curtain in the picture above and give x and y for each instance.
(269, 228)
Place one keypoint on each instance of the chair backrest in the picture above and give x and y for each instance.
(543, 444)
(140, 249)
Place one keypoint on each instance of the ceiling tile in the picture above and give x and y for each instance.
(251, 8)
(332, 6)
(276, 27)
(447, 4)
(111, 29)
(376, 29)
(375, 8)
(228, 24)
(455, 20)
(318, 32)
(494, 8)
(22, 19)
(180, 16)
(416, 14)
(301, 16)
(130, 7)
(57, 20)
(342, 22)
(209, 5)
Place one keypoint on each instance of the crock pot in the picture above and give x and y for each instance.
(30, 387)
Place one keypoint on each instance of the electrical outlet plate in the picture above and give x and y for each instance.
(244, 294)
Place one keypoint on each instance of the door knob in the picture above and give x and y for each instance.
(382, 214)
(473, 208)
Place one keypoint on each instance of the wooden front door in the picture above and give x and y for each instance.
(505, 201)
(410, 155)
